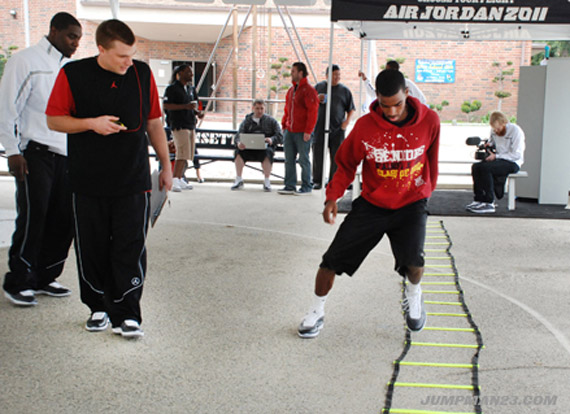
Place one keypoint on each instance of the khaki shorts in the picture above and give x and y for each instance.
(185, 142)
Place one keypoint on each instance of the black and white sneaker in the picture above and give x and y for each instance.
(54, 289)
(414, 309)
(237, 185)
(22, 298)
(286, 191)
(129, 329)
(98, 321)
(267, 188)
(473, 204)
(483, 208)
(311, 325)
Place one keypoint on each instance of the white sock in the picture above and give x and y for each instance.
(267, 182)
(238, 179)
(413, 289)
(318, 305)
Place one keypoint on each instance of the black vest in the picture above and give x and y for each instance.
(115, 164)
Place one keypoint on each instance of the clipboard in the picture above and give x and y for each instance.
(157, 198)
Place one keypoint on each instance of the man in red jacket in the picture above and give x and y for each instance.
(299, 119)
(398, 143)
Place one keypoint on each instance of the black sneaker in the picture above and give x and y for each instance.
(303, 192)
(22, 298)
(237, 186)
(54, 289)
(311, 325)
(415, 312)
(286, 191)
(98, 321)
(129, 329)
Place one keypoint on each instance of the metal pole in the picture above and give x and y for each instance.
(301, 44)
(205, 73)
(328, 113)
(26, 22)
(235, 69)
(114, 8)
(288, 33)
(220, 76)
(361, 81)
(254, 54)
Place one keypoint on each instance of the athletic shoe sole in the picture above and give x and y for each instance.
(53, 294)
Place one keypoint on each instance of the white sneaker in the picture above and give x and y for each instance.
(129, 329)
(176, 185)
(185, 184)
(311, 324)
(414, 309)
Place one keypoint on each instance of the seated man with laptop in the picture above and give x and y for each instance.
(256, 140)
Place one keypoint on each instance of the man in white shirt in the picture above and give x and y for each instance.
(490, 174)
(37, 160)
(413, 89)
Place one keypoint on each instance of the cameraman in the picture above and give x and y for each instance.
(490, 174)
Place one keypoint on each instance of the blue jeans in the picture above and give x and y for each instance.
(293, 145)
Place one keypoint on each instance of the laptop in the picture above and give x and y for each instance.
(253, 141)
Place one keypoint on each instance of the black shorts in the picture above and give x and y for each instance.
(364, 227)
(256, 155)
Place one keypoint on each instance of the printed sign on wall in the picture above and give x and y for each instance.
(435, 71)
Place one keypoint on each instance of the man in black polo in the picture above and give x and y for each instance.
(342, 109)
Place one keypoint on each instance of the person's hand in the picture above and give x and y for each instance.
(107, 125)
(18, 166)
(165, 179)
(362, 75)
(268, 140)
(321, 97)
(171, 147)
(491, 157)
(344, 125)
(329, 213)
(306, 137)
(241, 146)
(200, 114)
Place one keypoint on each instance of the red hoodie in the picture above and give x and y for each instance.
(301, 108)
(400, 163)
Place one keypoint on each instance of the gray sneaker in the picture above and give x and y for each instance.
(286, 191)
(129, 329)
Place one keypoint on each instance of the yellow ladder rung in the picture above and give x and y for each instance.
(439, 266)
(435, 364)
(438, 283)
(446, 314)
(424, 385)
(439, 274)
(436, 237)
(438, 302)
(440, 345)
(442, 328)
(435, 250)
(410, 411)
(443, 292)
(437, 258)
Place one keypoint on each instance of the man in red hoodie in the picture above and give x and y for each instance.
(398, 143)
(299, 119)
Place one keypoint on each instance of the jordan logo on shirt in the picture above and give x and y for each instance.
(114, 85)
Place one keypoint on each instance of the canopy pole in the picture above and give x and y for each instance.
(288, 32)
(361, 81)
(301, 44)
(205, 73)
(114, 8)
(325, 171)
(254, 54)
(225, 65)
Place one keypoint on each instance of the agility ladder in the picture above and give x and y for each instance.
(440, 268)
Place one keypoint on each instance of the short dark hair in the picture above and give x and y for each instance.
(389, 82)
(334, 66)
(177, 70)
(259, 101)
(392, 64)
(301, 67)
(111, 30)
(62, 20)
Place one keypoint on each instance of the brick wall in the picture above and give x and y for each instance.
(474, 71)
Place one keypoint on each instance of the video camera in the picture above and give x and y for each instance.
(483, 150)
